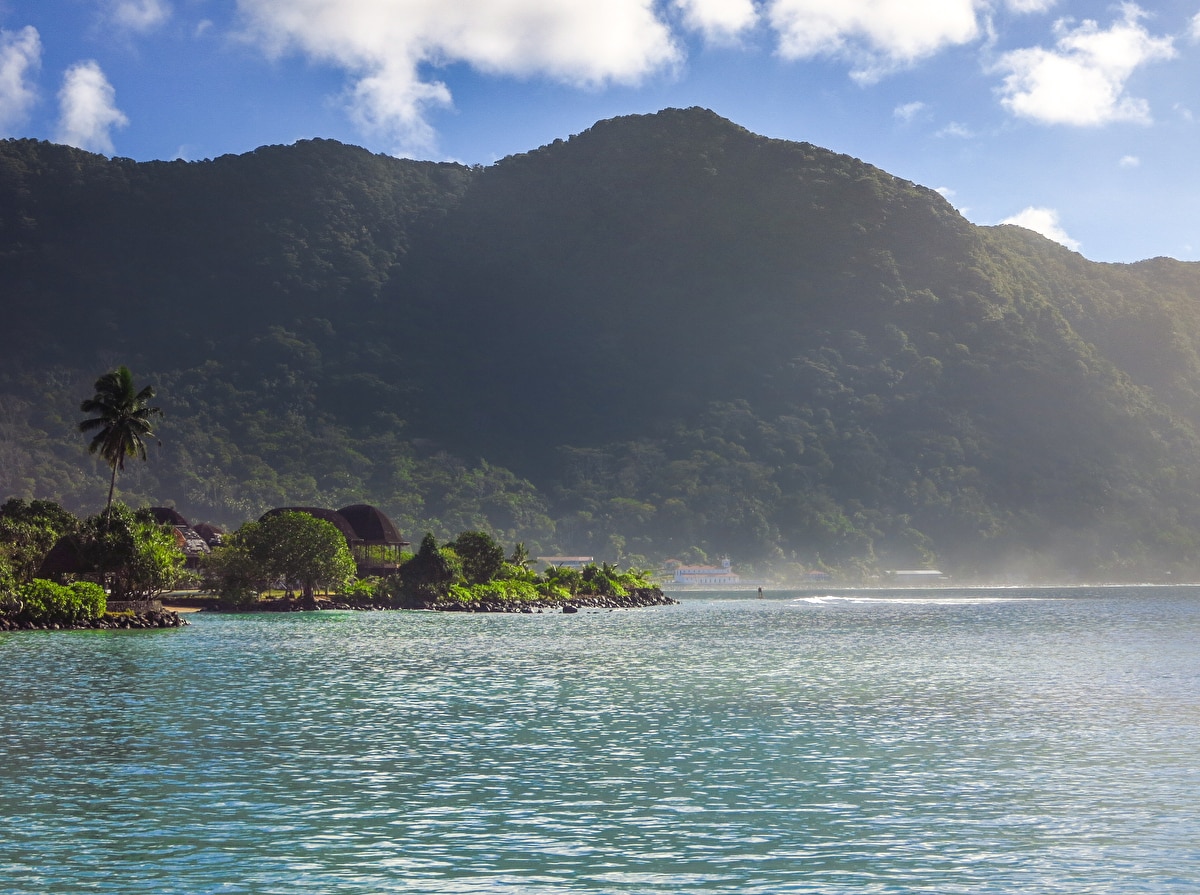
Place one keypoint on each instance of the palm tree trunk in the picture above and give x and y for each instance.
(111, 485)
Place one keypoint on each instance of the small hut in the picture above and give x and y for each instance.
(189, 541)
(64, 561)
(212, 535)
(380, 544)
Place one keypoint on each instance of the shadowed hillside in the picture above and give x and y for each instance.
(665, 336)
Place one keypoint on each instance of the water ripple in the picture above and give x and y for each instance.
(962, 742)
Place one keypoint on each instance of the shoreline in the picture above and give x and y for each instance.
(640, 599)
(149, 620)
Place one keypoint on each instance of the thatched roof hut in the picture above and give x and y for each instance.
(168, 516)
(372, 525)
(65, 558)
(212, 535)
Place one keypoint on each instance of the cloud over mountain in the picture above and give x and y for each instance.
(1082, 80)
(385, 45)
(89, 110)
(20, 56)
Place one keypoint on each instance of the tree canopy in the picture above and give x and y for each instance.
(123, 421)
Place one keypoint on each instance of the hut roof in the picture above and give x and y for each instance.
(190, 542)
(331, 516)
(63, 559)
(372, 524)
(211, 534)
(167, 516)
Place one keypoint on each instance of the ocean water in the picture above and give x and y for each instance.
(944, 741)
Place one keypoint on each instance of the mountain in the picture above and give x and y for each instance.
(665, 336)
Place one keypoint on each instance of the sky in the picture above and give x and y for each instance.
(1078, 120)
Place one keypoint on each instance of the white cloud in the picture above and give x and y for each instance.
(908, 111)
(138, 15)
(876, 35)
(1045, 222)
(1027, 6)
(1082, 81)
(1129, 161)
(1194, 27)
(89, 112)
(955, 129)
(20, 58)
(384, 44)
(718, 19)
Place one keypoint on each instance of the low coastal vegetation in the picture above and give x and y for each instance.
(300, 554)
(59, 571)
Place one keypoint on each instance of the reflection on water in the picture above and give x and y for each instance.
(948, 741)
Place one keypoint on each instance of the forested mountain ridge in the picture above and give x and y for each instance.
(662, 337)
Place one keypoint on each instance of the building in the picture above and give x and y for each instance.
(190, 542)
(565, 562)
(710, 576)
(916, 576)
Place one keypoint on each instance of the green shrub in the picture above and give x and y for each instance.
(497, 591)
(365, 590)
(90, 599)
(44, 602)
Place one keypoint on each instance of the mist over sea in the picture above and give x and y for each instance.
(951, 740)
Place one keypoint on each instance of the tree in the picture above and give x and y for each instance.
(135, 555)
(520, 556)
(123, 418)
(482, 558)
(300, 549)
(429, 574)
(28, 531)
(232, 572)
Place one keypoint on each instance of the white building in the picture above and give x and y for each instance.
(709, 575)
(568, 562)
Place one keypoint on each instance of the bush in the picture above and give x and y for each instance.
(44, 602)
(497, 591)
(90, 599)
(365, 591)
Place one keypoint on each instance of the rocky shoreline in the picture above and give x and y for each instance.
(115, 621)
(641, 598)
(636, 600)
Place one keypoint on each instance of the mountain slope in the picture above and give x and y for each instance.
(680, 337)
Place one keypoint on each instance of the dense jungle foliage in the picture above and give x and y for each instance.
(663, 337)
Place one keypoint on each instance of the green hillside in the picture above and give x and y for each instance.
(665, 336)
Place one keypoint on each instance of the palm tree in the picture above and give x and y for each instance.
(123, 417)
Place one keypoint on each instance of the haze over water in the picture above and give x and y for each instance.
(950, 741)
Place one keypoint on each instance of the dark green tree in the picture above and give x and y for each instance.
(232, 572)
(482, 558)
(428, 575)
(28, 531)
(122, 423)
(131, 552)
(300, 549)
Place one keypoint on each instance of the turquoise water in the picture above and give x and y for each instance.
(871, 742)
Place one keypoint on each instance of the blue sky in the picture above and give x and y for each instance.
(1076, 119)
